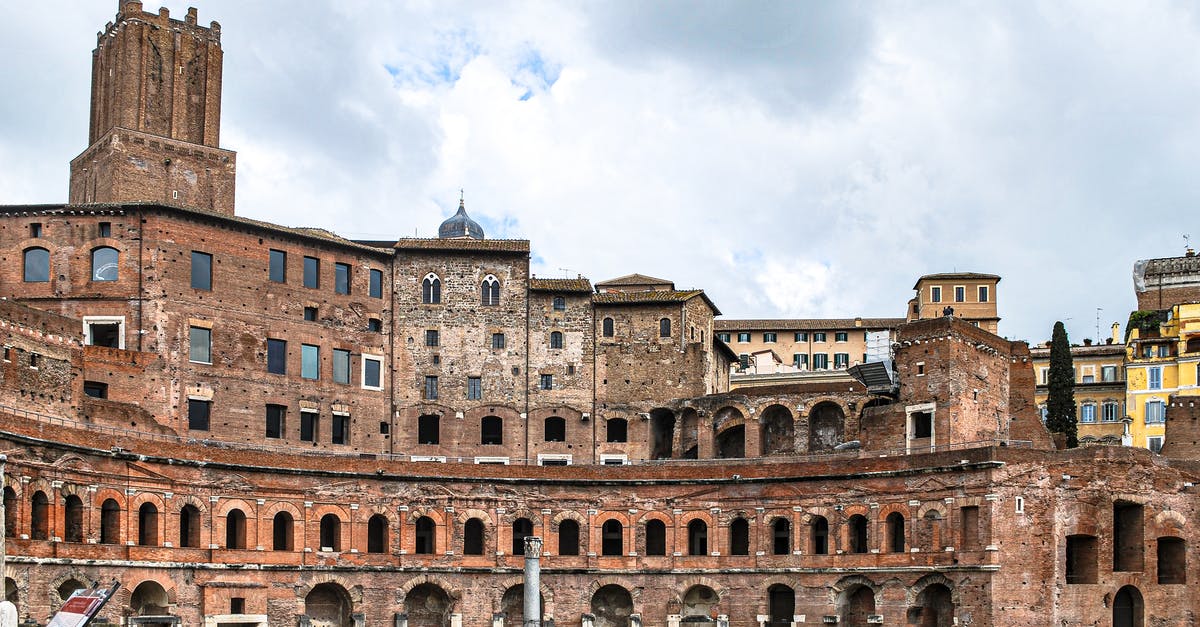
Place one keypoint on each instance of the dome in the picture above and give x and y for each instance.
(460, 225)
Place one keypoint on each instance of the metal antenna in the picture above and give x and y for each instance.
(566, 272)
(1098, 310)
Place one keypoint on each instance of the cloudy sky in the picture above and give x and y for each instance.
(794, 159)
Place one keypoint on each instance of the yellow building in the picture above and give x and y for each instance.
(1162, 360)
(969, 295)
(1099, 388)
(804, 345)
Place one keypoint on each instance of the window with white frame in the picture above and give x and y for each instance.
(819, 336)
(1155, 412)
(554, 459)
(104, 331)
(841, 336)
(743, 337)
(935, 294)
(769, 337)
(1087, 412)
(841, 360)
(1155, 443)
(372, 372)
(1108, 374)
(1108, 411)
(960, 293)
(200, 345)
(800, 360)
(820, 361)
(983, 293)
(1154, 378)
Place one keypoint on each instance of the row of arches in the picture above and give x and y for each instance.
(678, 436)
(570, 534)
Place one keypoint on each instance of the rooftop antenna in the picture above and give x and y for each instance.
(566, 272)
(1098, 310)
(1187, 242)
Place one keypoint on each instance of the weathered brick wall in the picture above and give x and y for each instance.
(1182, 439)
(40, 371)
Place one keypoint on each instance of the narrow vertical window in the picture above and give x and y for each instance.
(198, 414)
(312, 272)
(37, 265)
(497, 340)
(983, 293)
(608, 327)
(341, 278)
(372, 377)
(935, 294)
(276, 417)
(431, 337)
(309, 426)
(556, 339)
(341, 366)
(560, 303)
(310, 361)
(278, 266)
(431, 388)
(104, 229)
(339, 433)
(276, 356)
(474, 388)
(960, 294)
(200, 345)
(201, 270)
(664, 327)
(431, 290)
(35, 229)
(375, 288)
(490, 291)
(546, 382)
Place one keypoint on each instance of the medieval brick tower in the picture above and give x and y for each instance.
(156, 115)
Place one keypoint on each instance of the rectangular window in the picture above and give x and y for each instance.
(1155, 443)
(1088, 378)
(1154, 377)
(935, 294)
(497, 340)
(372, 369)
(819, 336)
(983, 293)
(374, 325)
(35, 229)
(104, 229)
(375, 289)
(800, 360)
(1155, 412)
(201, 271)
(341, 278)
(431, 388)
(276, 356)
(312, 272)
(724, 337)
(1043, 375)
(278, 269)
(802, 336)
(820, 361)
(743, 337)
(474, 388)
(198, 413)
(200, 348)
(341, 366)
(340, 431)
(1164, 350)
(841, 336)
(1108, 373)
(768, 337)
(309, 426)
(546, 382)
(310, 314)
(744, 361)
(1108, 411)
(310, 361)
(276, 420)
(960, 294)
(1087, 412)
(841, 360)
(431, 337)
(95, 389)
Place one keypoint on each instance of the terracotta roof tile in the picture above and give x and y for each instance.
(633, 279)
(462, 243)
(560, 285)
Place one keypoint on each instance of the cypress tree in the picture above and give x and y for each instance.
(1060, 405)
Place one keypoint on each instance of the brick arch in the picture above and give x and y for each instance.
(317, 512)
(902, 507)
(508, 518)
(813, 401)
(225, 505)
(462, 516)
(699, 580)
(1170, 522)
(655, 515)
(726, 518)
(180, 500)
(1083, 518)
(369, 513)
(519, 580)
(438, 517)
(840, 587)
(500, 410)
(136, 501)
(125, 593)
(72, 573)
(605, 516)
(269, 511)
(72, 461)
(452, 592)
(44, 485)
(688, 517)
(925, 508)
(73, 489)
(564, 411)
(354, 591)
(912, 592)
(565, 514)
(635, 592)
(734, 421)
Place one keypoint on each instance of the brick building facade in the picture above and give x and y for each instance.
(247, 424)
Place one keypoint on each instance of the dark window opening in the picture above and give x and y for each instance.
(425, 538)
(374, 325)
(781, 536)
(341, 278)
(474, 388)
(820, 535)
(739, 537)
(611, 538)
(375, 288)
(198, 414)
(608, 327)
(560, 303)
(617, 430)
(697, 533)
(895, 532)
(237, 605)
(431, 387)
(377, 532)
(1128, 537)
(857, 532)
(922, 425)
(491, 430)
(276, 417)
(521, 528)
(110, 521)
(1172, 561)
(235, 529)
(473, 534)
(656, 538)
(281, 532)
(431, 290)
(555, 429)
(277, 356)
(556, 339)
(339, 432)
(309, 425)
(39, 517)
(490, 292)
(189, 526)
(148, 525)
(497, 340)
(1082, 559)
(431, 337)
(310, 314)
(95, 389)
(568, 537)
(429, 429)
(312, 272)
(664, 327)
(277, 271)
(331, 533)
(201, 271)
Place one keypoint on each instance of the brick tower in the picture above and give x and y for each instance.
(156, 115)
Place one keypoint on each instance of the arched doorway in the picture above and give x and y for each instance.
(781, 602)
(149, 598)
(825, 425)
(662, 434)
(68, 587)
(73, 515)
(328, 605)
(10, 592)
(858, 603)
(778, 431)
(427, 605)
(513, 606)
(689, 435)
(612, 606)
(699, 606)
(935, 607)
(1128, 608)
(731, 443)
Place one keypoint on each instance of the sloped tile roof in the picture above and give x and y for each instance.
(652, 298)
(633, 279)
(462, 243)
(560, 285)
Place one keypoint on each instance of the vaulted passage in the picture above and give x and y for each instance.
(1128, 609)
(858, 604)
(731, 443)
(935, 607)
(777, 430)
(327, 605)
(611, 605)
(782, 605)
(825, 424)
(662, 434)
(427, 605)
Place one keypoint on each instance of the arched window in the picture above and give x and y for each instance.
(739, 537)
(331, 533)
(148, 525)
(431, 290)
(856, 530)
(656, 537)
(560, 303)
(73, 511)
(39, 517)
(664, 327)
(110, 522)
(611, 537)
(521, 528)
(281, 532)
(820, 535)
(473, 534)
(895, 532)
(491, 430)
(489, 291)
(424, 539)
(235, 529)
(555, 429)
(377, 534)
(104, 264)
(189, 526)
(697, 537)
(781, 536)
(568, 537)
(37, 265)
(618, 430)
(608, 327)
(556, 339)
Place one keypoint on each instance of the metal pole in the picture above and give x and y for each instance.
(533, 581)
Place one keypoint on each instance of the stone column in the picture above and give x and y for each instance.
(533, 581)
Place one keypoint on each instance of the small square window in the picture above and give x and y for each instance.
(374, 325)
(312, 272)
(310, 314)
(277, 271)
(431, 337)
(341, 278)
(341, 366)
(375, 289)
(201, 271)
(104, 229)
(35, 229)
(560, 303)
(200, 345)
(198, 414)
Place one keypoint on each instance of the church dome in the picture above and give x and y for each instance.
(460, 225)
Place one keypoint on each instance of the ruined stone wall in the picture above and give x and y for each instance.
(1183, 428)
(40, 371)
